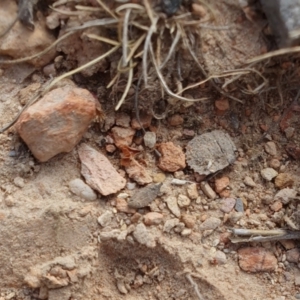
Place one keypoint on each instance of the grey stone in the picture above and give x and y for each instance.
(285, 195)
(81, 189)
(106, 218)
(239, 205)
(210, 152)
(170, 224)
(249, 181)
(268, 173)
(144, 196)
(173, 206)
(210, 224)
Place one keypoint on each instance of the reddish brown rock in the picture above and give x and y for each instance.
(57, 122)
(284, 180)
(122, 136)
(172, 157)
(175, 120)
(99, 172)
(256, 259)
(221, 184)
(153, 218)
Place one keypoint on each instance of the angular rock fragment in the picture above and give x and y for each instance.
(256, 259)
(210, 152)
(57, 122)
(144, 196)
(99, 172)
(172, 158)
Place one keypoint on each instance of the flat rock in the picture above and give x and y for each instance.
(21, 42)
(285, 195)
(256, 259)
(57, 122)
(144, 196)
(106, 218)
(81, 189)
(210, 224)
(99, 172)
(172, 157)
(210, 152)
(270, 148)
(249, 181)
(268, 173)
(173, 206)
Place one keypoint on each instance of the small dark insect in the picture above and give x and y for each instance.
(170, 7)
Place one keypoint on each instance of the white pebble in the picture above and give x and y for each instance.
(81, 189)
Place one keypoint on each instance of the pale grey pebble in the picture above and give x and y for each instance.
(170, 224)
(173, 206)
(220, 257)
(131, 185)
(239, 205)
(150, 139)
(106, 218)
(285, 195)
(249, 181)
(19, 182)
(210, 224)
(268, 173)
(81, 189)
(144, 236)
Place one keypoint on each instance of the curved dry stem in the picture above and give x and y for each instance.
(130, 6)
(172, 48)
(16, 61)
(113, 81)
(164, 84)
(90, 63)
(67, 12)
(149, 11)
(101, 39)
(147, 45)
(129, 82)
(125, 37)
(92, 23)
(274, 54)
(87, 8)
(135, 47)
(106, 8)
(191, 86)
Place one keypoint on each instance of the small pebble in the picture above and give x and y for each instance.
(239, 205)
(81, 189)
(173, 206)
(249, 181)
(270, 148)
(188, 220)
(192, 191)
(19, 182)
(268, 173)
(186, 232)
(159, 177)
(210, 224)
(183, 201)
(150, 139)
(106, 218)
(207, 190)
(131, 185)
(170, 224)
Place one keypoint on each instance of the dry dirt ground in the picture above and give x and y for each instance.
(45, 229)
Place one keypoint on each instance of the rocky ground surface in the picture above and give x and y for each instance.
(91, 209)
